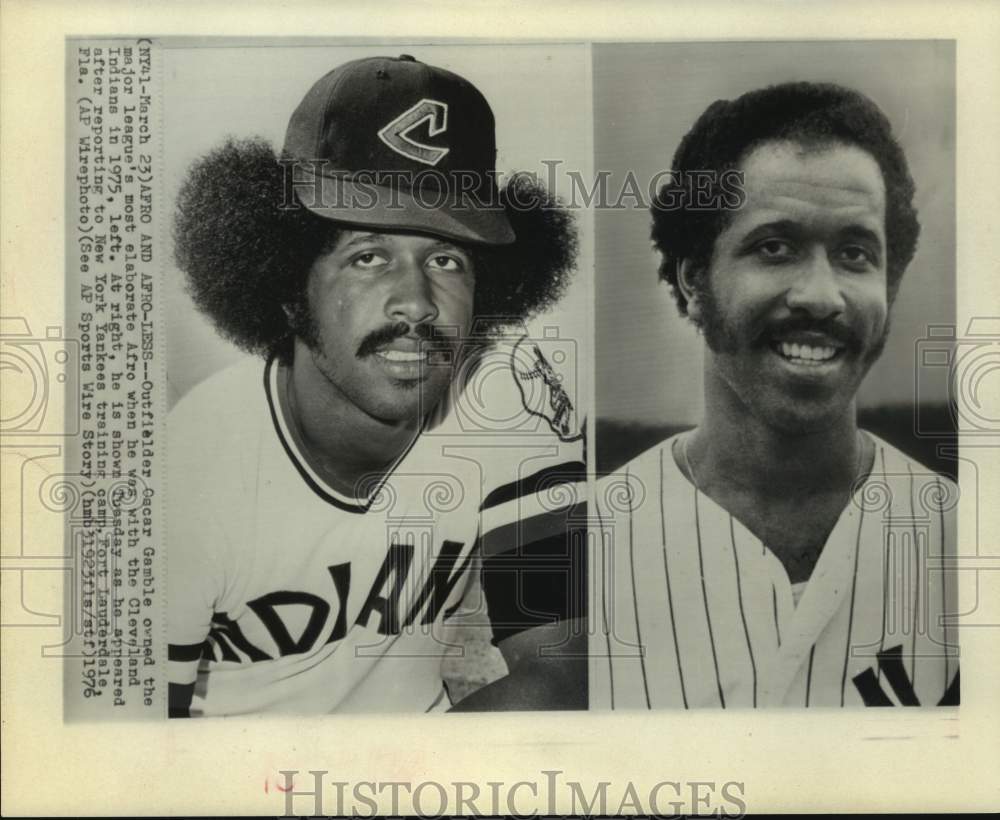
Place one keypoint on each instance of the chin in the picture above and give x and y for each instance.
(406, 401)
(395, 412)
(802, 420)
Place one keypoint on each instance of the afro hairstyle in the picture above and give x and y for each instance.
(247, 260)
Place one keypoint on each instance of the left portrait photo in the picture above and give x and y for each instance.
(366, 478)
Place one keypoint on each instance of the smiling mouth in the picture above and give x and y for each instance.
(404, 356)
(808, 355)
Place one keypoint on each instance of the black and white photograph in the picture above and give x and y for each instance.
(499, 409)
(778, 527)
(374, 360)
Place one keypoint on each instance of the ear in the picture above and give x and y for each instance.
(686, 275)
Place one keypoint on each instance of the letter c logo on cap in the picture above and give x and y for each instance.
(396, 133)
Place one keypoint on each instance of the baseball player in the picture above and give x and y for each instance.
(328, 496)
(777, 555)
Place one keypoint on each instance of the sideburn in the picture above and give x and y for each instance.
(302, 322)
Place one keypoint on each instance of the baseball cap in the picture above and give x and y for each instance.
(393, 143)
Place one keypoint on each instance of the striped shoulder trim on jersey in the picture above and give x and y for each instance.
(186, 653)
(310, 476)
(569, 472)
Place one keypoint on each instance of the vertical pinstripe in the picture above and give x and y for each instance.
(774, 601)
(809, 674)
(885, 572)
(670, 597)
(704, 595)
(635, 597)
(814, 642)
(437, 700)
(743, 615)
(850, 619)
(944, 583)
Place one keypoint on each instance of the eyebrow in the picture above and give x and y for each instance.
(861, 232)
(792, 228)
(444, 244)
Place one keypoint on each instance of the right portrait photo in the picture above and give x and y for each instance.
(775, 293)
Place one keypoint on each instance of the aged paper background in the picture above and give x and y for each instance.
(895, 760)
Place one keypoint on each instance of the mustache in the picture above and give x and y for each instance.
(387, 334)
(837, 331)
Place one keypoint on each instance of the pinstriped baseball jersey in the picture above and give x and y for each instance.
(694, 611)
(285, 595)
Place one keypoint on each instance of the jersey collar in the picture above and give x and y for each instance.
(314, 480)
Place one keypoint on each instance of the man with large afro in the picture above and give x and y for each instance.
(328, 496)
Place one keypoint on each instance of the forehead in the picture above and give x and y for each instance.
(349, 237)
(827, 187)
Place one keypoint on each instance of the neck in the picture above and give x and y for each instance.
(734, 448)
(339, 440)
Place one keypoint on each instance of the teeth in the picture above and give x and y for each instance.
(806, 352)
(402, 356)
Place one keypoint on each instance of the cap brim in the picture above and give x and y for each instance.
(397, 208)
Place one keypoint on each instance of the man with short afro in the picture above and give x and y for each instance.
(760, 560)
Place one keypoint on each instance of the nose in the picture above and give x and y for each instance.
(412, 298)
(816, 289)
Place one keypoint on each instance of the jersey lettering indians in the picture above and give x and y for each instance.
(285, 595)
(694, 611)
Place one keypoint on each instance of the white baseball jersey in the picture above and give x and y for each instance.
(694, 611)
(285, 595)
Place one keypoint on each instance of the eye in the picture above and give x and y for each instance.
(446, 262)
(368, 260)
(774, 250)
(857, 257)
